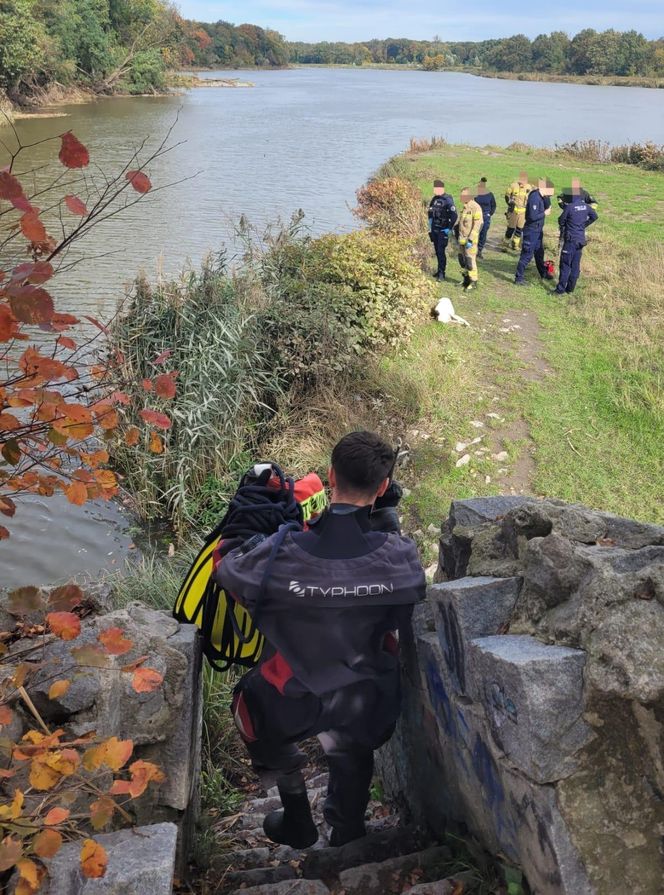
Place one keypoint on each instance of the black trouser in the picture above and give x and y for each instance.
(345, 723)
(440, 241)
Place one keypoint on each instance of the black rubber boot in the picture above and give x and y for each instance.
(294, 825)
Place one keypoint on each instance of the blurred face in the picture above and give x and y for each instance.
(481, 188)
(466, 196)
(438, 190)
(545, 187)
(523, 178)
(576, 186)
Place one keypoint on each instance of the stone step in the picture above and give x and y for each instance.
(242, 859)
(393, 875)
(376, 846)
(288, 887)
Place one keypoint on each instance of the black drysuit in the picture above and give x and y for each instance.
(332, 602)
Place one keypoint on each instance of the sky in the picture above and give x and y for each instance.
(358, 20)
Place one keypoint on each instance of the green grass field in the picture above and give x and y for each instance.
(577, 389)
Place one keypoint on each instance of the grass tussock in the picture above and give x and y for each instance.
(646, 155)
(418, 145)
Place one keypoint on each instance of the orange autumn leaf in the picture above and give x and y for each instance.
(77, 493)
(32, 227)
(47, 843)
(156, 444)
(94, 859)
(101, 812)
(30, 877)
(142, 773)
(112, 753)
(42, 776)
(6, 715)
(65, 597)
(4, 533)
(146, 680)
(66, 342)
(56, 816)
(64, 625)
(73, 153)
(58, 689)
(132, 436)
(115, 642)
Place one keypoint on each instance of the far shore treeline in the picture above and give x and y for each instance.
(51, 48)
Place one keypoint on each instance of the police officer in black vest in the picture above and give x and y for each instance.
(442, 217)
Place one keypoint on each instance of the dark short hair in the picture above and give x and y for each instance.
(361, 461)
(482, 179)
(439, 183)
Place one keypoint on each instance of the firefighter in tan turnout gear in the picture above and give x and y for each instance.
(516, 197)
(470, 225)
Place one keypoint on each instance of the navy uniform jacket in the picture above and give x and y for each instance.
(442, 213)
(574, 220)
(536, 206)
(487, 202)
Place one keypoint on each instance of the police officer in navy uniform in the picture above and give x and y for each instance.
(442, 217)
(577, 216)
(538, 207)
(487, 202)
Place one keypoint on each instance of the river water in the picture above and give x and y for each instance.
(302, 138)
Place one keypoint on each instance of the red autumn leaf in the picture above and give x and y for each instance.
(161, 358)
(7, 505)
(120, 398)
(32, 227)
(132, 436)
(147, 385)
(47, 843)
(142, 773)
(6, 715)
(56, 816)
(73, 153)
(9, 326)
(8, 422)
(94, 859)
(64, 625)
(115, 642)
(76, 493)
(20, 203)
(10, 186)
(164, 385)
(146, 680)
(4, 533)
(139, 180)
(61, 322)
(65, 597)
(33, 272)
(155, 418)
(156, 443)
(66, 342)
(32, 305)
(75, 205)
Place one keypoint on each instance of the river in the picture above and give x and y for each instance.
(301, 138)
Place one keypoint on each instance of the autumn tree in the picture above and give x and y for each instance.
(60, 397)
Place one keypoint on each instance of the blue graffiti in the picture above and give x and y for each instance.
(487, 774)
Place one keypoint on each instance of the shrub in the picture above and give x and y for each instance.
(391, 206)
(339, 298)
(202, 323)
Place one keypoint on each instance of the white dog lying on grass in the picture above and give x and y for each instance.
(444, 313)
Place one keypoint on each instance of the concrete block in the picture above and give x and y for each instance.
(140, 862)
(532, 694)
(466, 609)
